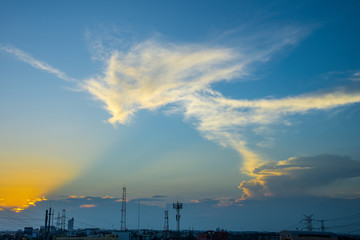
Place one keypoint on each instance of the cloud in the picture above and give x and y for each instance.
(146, 200)
(158, 196)
(87, 206)
(218, 202)
(108, 197)
(91, 198)
(356, 76)
(153, 75)
(153, 198)
(76, 197)
(35, 63)
(179, 78)
(352, 75)
(300, 176)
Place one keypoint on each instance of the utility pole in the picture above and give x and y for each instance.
(47, 229)
(46, 223)
(139, 217)
(49, 224)
(123, 210)
(178, 206)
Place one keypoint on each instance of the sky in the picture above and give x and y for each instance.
(246, 111)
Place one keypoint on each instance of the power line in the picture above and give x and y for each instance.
(84, 223)
(291, 227)
(345, 225)
(340, 218)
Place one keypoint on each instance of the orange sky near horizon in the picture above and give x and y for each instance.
(25, 180)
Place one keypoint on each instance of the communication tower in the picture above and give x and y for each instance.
(178, 206)
(166, 225)
(123, 210)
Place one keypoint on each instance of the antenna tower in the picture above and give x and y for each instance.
(63, 220)
(166, 225)
(178, 206)
(139, 217)
(123, 210)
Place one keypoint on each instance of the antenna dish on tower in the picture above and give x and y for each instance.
(178, 206)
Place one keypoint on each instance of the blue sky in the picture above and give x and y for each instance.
(222, 106)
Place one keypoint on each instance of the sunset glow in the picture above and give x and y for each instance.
(26, 180)
(245, 112)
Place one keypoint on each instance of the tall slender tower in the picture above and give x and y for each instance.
(178, 206)
(63, 220)
(46, 222)
(166, 225)
(49, 222)
(123, 210)
(47, 228)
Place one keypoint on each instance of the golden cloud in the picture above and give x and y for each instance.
(87, 206)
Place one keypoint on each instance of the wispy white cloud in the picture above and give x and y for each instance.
(153, 74)
(349, 75)
(356, 76)
(35, 63)
(218, 202)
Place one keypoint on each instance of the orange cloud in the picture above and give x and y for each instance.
(26, 180)
(87, 206)
(120, 200)
(107, 197)
(76, 197)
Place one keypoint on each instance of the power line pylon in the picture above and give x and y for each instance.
(308, 220)
(58, 221)
(63, 220)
